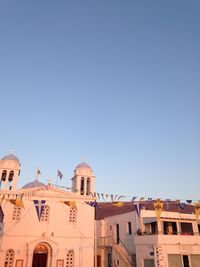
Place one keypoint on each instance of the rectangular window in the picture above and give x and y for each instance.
(186, 229)
(109, 260)
(170, 228)
(185, 261)
(16, 213)
(45, 214)
(148, 263)
(117, 233)
(129, 228)
(195, 260)
(98, 261)
(72, 215)
(174, 260)
(154, 228)
(70, 259)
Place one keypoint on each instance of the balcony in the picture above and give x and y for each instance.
(179, 238)
(105, 241)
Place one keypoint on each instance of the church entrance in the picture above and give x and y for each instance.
(40, 255)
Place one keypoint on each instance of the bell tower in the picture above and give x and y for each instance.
(83, 180)
(9, 172)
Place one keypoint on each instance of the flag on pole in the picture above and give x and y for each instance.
(38, 173)
(59, 174)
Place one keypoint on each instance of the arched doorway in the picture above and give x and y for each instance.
(41, 255)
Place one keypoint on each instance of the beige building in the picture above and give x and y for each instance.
(44, 226)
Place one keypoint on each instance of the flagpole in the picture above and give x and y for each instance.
(56, 180)
(60, 175)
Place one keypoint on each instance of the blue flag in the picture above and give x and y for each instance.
(39, 206)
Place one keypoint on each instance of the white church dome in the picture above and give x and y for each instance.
(83, 165)
(83, 169)
(10, 157)
(33, 184)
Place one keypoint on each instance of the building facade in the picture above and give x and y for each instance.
(134, 235)
(44, 226)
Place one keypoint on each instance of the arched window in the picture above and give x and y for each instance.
(88, 186)
(70, 258)
(9, 258)
(82, 185)
(72, 215)
(11, 175)
(16, 213)
(45, 214)
(10, 179)
(3, 176)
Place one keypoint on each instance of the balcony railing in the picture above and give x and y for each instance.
(140, 233)
(106, 241)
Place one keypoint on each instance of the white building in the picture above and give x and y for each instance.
(44, 226)
(128, 238)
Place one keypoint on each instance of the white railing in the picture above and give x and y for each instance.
(120, 248)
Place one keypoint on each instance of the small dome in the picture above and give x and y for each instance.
(83, 165)
(10, 157)
(33, 184)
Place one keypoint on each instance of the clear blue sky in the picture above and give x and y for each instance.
(114, 83)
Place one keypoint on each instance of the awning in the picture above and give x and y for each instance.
(149, 220)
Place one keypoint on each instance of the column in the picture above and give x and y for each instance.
(29, 258)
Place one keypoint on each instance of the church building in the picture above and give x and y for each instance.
(45, 226)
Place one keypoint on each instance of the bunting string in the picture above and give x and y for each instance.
(105, 197)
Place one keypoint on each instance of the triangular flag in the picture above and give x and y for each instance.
(39, 206)
(1, 215)
(114, 199)
(59, 174)
(197, 209)
(137, 208)
(181, 205)
(122, 196)
(118, 204)
(102, 195)
(2, 199)
(92, 203)
(17, 202)
(158, 206)
(133, 199)
(71, 204)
